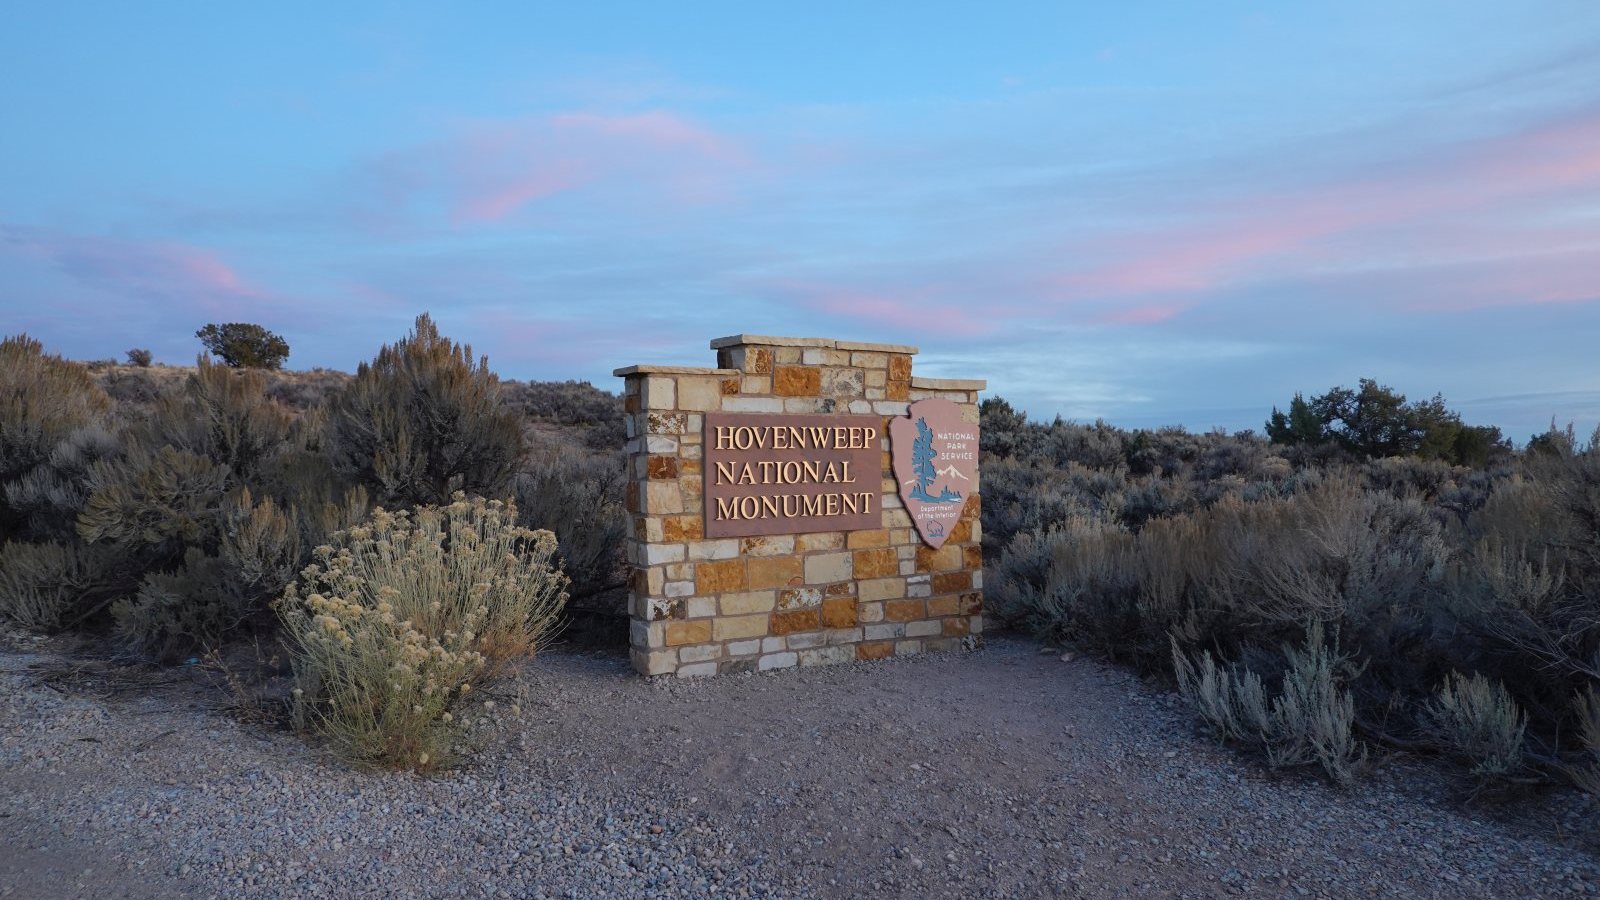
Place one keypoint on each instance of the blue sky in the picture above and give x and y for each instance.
(1155, 213)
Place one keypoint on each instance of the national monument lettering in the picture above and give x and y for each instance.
(778, 474)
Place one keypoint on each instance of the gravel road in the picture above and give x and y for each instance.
(1000, 773)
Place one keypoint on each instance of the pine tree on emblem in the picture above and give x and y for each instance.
(922, 456)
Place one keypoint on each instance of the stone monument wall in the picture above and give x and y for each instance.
(704, 605)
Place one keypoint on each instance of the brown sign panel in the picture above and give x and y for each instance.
(790, 474)
(936, 465)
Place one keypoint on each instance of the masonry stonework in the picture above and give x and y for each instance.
(703, 606)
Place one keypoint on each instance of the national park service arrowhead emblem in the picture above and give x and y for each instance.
(935, 458)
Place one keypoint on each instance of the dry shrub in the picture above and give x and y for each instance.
(1476, 718)
(398, 618)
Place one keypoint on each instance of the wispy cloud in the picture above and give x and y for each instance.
(155, 271)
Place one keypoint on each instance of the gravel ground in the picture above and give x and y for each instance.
(1003, 772)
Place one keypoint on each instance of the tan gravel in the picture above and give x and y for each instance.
(1000, 773)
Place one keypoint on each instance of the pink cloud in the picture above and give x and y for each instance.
(150, 270)
(1299, 228)
(1144, 315)
(500, 169)
(922, 310)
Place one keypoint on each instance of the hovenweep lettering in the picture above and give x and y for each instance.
(791, 474)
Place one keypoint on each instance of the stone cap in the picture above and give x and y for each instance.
(672, 370)
(765, 340)
(949, 384)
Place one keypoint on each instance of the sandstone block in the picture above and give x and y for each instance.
(903, 610)
(881, 562)
(656, 554)
(699, 394)
(806, 639)
(883, 632)
(767, 545)
(843, 382)
(688, 631)
(746, 603)
(717, 577)
(697, 670)
(682, 528)
(700, 653)
(796, 381)
(663, 497)
(752, 404)
(733, 628)
(862, 540)
(777, 661)
(923, 628)
(793, 621)
(799, 598)
(839, 612)
(655, 662)
(724, 548)
(666, 423)
(883, 589)
(823, 568)
(875, 650)
(952, 582)
(821, 540)
(660, 392)
(823, 656)
(773, 572)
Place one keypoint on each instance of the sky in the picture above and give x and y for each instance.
(1152, 213)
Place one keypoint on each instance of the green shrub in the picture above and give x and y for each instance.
(422, 421)
(398, 618)
(243, 345)
(1476, 718)
(43, 587)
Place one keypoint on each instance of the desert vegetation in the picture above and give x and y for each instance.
(406, 517)
(1371, 574)
(1367, 574)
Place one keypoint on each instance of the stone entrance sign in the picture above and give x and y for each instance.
(766, 523)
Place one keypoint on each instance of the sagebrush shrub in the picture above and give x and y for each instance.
(44, 399)
(1476, 718)
(1310, 721)
(580, 499)
(422, 421)
(397, 618)
(44, 586)
(140, 358)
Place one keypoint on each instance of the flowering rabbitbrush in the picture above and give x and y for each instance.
(400, 616)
